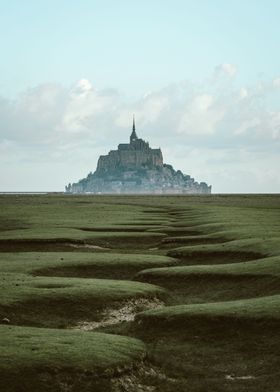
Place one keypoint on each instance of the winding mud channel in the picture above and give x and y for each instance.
(125, 313)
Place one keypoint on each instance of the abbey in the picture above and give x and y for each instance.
(135, 167)
(134, 155)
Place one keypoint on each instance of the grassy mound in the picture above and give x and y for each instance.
(68, 221)
(238, 250)
(219, 282)
(31, 356)
(269, 266)
(55, 301)
(256, 309)
(81, 264)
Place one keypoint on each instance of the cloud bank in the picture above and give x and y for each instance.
(215, 130)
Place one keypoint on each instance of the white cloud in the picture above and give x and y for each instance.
(247, 125)
(226, 69)
(200, 116)
(276, 82)
(204, 126)
(274, 125)
(243, 93)
(84, 85)
(52, 114)
(83, 106)
(148, 110)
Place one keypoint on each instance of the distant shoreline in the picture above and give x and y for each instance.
(27, 193)
(132, 194)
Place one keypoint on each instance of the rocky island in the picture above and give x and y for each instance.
(135, 167)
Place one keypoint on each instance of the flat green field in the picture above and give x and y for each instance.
(139, 293)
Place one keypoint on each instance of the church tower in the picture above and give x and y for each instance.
(133, 135)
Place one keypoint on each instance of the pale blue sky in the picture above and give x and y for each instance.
(135, 45)
(201, 76)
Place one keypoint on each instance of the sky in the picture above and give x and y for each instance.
(201, 76)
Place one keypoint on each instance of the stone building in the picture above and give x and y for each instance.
(130, 156)
(135, 167)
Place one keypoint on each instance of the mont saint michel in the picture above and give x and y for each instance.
(135, 167)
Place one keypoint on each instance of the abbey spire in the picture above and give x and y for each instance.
(133, 135)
